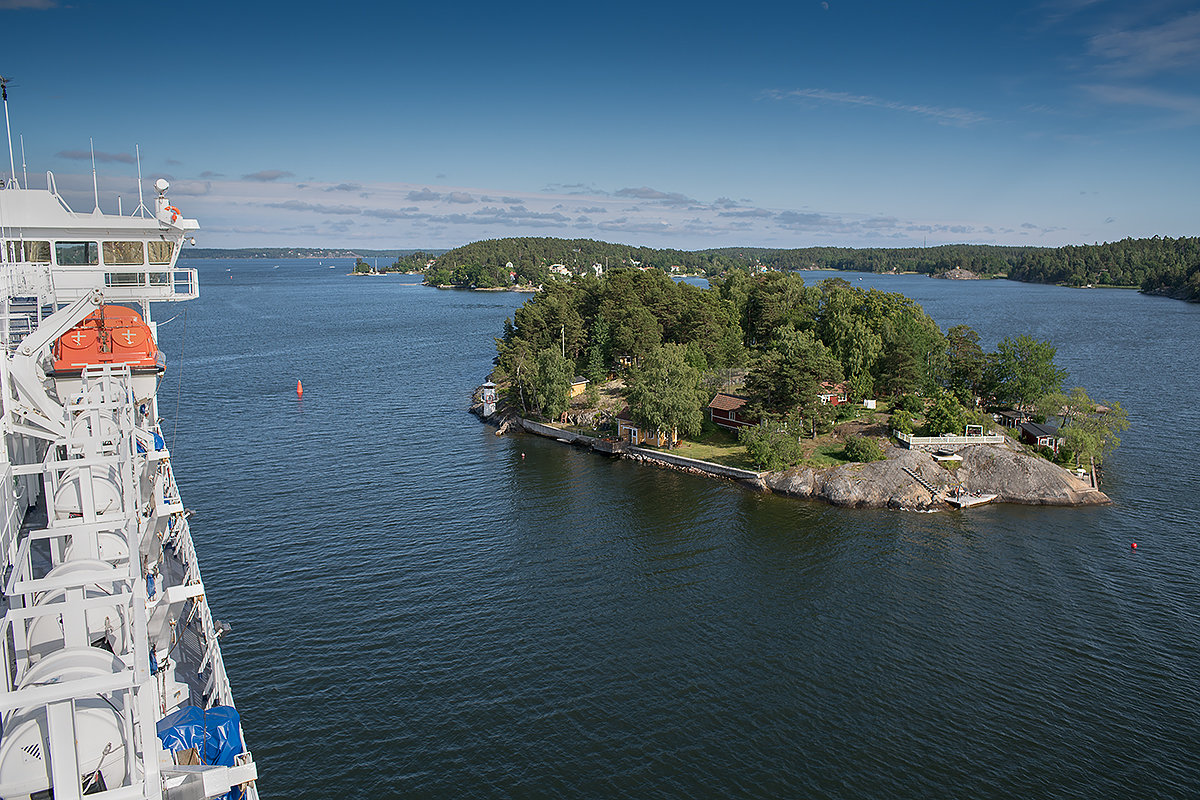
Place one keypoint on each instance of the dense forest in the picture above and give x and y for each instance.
(485, 264)
(674, 344)
(1157, 265)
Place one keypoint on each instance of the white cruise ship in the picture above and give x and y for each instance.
(113, 683)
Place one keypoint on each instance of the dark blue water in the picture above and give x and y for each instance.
(420, 611)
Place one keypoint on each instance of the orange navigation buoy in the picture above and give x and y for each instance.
(299, 389)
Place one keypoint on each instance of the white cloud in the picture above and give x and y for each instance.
(945, 115)
(245, 213)
(1185, 106)
(1165, 47)
(646, 193)
(300, 205)
(101, 157)
(267, 175)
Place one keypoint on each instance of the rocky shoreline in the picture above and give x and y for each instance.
(1012, 475)
(902, 481)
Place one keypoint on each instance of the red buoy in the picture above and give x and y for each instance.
(1133, 546)
(299, 389)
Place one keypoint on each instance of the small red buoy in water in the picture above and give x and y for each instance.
(1133, 546)
(299, 389)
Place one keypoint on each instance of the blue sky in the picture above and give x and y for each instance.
(665, 124)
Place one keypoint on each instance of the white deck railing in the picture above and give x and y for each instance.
(910, 441)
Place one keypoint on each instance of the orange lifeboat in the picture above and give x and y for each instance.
(109, 335)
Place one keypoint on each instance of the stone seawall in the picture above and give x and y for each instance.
(693, 464)
(644, 455)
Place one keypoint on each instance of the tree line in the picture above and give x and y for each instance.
(1158, 265)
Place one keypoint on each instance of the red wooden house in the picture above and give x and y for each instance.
(726, 409)
(832, 394)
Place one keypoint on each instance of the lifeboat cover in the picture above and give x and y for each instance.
(109, 335)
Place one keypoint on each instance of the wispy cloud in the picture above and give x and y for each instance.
(646, 193)
(243, 213)
(1151, 50)
(634, 225)
(300, 205)
(505, 216)
(31, 5)
(945, 115)
(1185, 106)
(267, 175)
(391, 214)
(101, 156)
(760, 213)
(191, 188)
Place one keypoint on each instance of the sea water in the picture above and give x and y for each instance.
(421, 608)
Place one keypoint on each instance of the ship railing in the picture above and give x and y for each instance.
(217, 688)
(126, 284)
(167, 495)
(181, 539)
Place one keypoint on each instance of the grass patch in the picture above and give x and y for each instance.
(717, 445)
(827, 454)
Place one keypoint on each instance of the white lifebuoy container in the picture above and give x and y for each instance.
(99, 731)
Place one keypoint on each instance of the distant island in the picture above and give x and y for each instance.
(299, 252)
(800, 388)
(1159, 266)
(1162, 266)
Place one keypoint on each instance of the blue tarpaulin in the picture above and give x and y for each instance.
(215, 733)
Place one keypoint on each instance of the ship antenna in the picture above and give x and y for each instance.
(141, 206)
(12, 166)
(95, 187)
(24, 174)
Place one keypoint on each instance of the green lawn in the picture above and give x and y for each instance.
(717, 445)
(828, 454)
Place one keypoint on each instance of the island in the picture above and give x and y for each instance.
(828, 391)
(1157, 265)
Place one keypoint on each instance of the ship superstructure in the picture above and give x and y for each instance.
(113, 683)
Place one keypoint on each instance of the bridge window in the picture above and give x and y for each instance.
(33, 252)
(161, 252)
(123, 279)
(76, 254)
(123, 253)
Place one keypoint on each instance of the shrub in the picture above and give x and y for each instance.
(946, 417)
(863, 449)
(910, 403)
(903, 421)
(775, 444)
